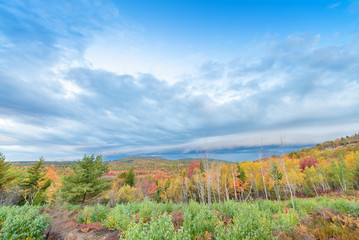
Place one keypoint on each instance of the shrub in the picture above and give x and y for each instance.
(199, 220)
(3, 214)
(24, 223)
(267, 205)
(344, 206)
(73, 207)
(160, 228)
(248, 223)
(228, 208)
(286, 221)
(303, 206)
(119, 217)
(91, 214)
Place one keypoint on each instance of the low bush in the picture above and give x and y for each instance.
(344, 206)
(199, 220)
(73, 207)
(248, 223)
(92, 214)
(23, 222)
(160, 228)
(260, 219)
(119, 217)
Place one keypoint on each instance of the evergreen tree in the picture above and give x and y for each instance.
(5, 176)
(130, 178)
(85, 182)
(241, 174)
(35, 184)
(201, 166)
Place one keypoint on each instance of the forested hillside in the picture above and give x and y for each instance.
(137, 198)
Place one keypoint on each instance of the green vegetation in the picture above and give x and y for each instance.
(129, 177)
(185, 199)
(35, 184)
(85, 182)
(22, 223)
(260, 219)
(5, 175)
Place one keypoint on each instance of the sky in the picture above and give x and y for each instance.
(170, 78)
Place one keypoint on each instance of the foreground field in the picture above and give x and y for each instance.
(313, 218)
(318, 218)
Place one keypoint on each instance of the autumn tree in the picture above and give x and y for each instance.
(225, 181)
(241, 180)
(191, 168)
(355, 170)
(35, 184)
(294, 155)
(308, 162)
(52, 191)
(85, 182)
(340, 174)
(113, 193)
(311, 181)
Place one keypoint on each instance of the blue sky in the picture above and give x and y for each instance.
(174, 77)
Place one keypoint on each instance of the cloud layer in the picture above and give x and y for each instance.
(55, 102)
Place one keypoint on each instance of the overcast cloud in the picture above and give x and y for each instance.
(59, 101)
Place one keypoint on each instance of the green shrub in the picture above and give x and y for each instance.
(322, 200)
(344, 206)
(199, 220)
(3, 214)
(73, 207)
(146, 209)
(168, 207)
(119, 217)
(249, 223)
(303, 206)
(91, 214)
(286, 221)
(272, 206)
(160, 228)
(24, 223)
(228, 208)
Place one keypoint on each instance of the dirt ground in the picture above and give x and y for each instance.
(65, 227)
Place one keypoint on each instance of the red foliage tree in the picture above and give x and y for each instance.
(308, 162)
(191, 168)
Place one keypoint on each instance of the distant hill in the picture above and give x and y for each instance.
(129, 162)
(339, 143)
(47, 163)
(154, 163)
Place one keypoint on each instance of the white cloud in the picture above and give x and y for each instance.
(334, 5)
(108, 90)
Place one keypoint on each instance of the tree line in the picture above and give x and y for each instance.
(306, 173)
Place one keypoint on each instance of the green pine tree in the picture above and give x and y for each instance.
(241, 174)
(5, 176)
(85, 182)
(130, 178)
(35, 184)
